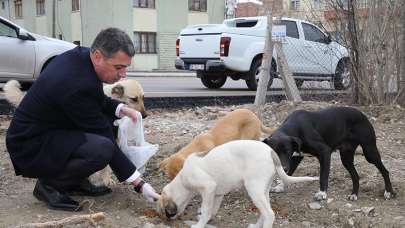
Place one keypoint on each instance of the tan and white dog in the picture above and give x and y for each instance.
(128, 91)
(250, 163)
(238, 124)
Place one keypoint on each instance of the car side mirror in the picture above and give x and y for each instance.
(24, 35)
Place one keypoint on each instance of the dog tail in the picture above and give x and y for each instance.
(267, 130)
(13, 93)
(283, 176)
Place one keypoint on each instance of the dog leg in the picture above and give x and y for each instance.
(207, 206)
(373, 156)
(347, 158)
(324, 154)
(257, 193)
(217, 204)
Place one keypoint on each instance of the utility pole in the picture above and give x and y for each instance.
(54, 18)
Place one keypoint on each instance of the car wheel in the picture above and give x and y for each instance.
(254, 72)
(342, 79)
(213, 82)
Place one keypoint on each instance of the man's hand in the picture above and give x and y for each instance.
(131, 113)
(149, 193)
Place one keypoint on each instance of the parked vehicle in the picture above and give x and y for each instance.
(23, 55)
(235, 48)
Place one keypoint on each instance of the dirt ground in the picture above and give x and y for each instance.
(170, 129)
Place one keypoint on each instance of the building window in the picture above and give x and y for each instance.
(143, 3)
(3, 5)
(145, 42)
(197, 5)
(295, 5)
(40, 7)
(75, 5)
(317, 4)
(18, 8)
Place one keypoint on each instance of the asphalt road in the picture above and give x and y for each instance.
(190, 86)
(187, 90)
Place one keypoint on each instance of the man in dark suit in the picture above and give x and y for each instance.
(62, 131)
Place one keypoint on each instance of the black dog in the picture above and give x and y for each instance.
(320, 133)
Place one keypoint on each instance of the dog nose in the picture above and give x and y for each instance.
(170, 214)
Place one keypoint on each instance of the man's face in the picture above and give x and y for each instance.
(110, 70)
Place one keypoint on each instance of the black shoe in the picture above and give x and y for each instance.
(85, 188)
(55, 199)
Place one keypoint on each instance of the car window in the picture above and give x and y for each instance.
(291, 28)
(312, 33)
(6, 30)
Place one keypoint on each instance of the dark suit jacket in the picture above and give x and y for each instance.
(65, 101)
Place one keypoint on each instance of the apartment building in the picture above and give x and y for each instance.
(153, 24)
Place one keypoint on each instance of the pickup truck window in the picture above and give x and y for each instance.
(312, 33)
(291, 28)
(246, 24)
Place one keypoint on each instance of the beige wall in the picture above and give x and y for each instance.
(41, 25)
(144, 20)
(76, 23)
(144, 62)
(197, 18)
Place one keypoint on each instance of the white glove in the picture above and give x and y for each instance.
(149, 193)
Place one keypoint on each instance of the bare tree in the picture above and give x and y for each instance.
(401, 96)
(370, 31)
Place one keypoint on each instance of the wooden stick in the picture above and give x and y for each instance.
(76, 219)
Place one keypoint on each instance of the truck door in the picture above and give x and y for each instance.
(317, 49)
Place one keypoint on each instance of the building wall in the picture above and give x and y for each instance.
(6, 10)
(172, 16)
(247, 9)
(166, 20)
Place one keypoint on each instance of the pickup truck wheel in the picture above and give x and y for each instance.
(213, 82)
(342, 78)
(253, 77)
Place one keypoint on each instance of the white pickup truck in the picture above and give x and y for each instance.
(234, 49)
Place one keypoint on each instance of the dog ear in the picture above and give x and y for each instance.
(118, 91)
(296, 143)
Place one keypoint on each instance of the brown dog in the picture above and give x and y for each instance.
(238, 124)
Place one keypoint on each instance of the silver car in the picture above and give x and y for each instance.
(23, 55)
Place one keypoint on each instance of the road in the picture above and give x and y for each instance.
(192, 87)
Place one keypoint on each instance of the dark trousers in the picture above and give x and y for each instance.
(93, 155)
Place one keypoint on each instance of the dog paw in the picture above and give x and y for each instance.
(388, 195)
(320, 196)
(352, 197)
(251, 226)
(278, 188)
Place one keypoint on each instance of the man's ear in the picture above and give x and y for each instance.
(296, 144)
(118, 91)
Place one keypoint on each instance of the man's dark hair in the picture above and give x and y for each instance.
(111, 40)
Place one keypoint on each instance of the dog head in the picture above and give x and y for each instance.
(174, 199)
(131, 93)
(284, 146)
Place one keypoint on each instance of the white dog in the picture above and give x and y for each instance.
(226, 167)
